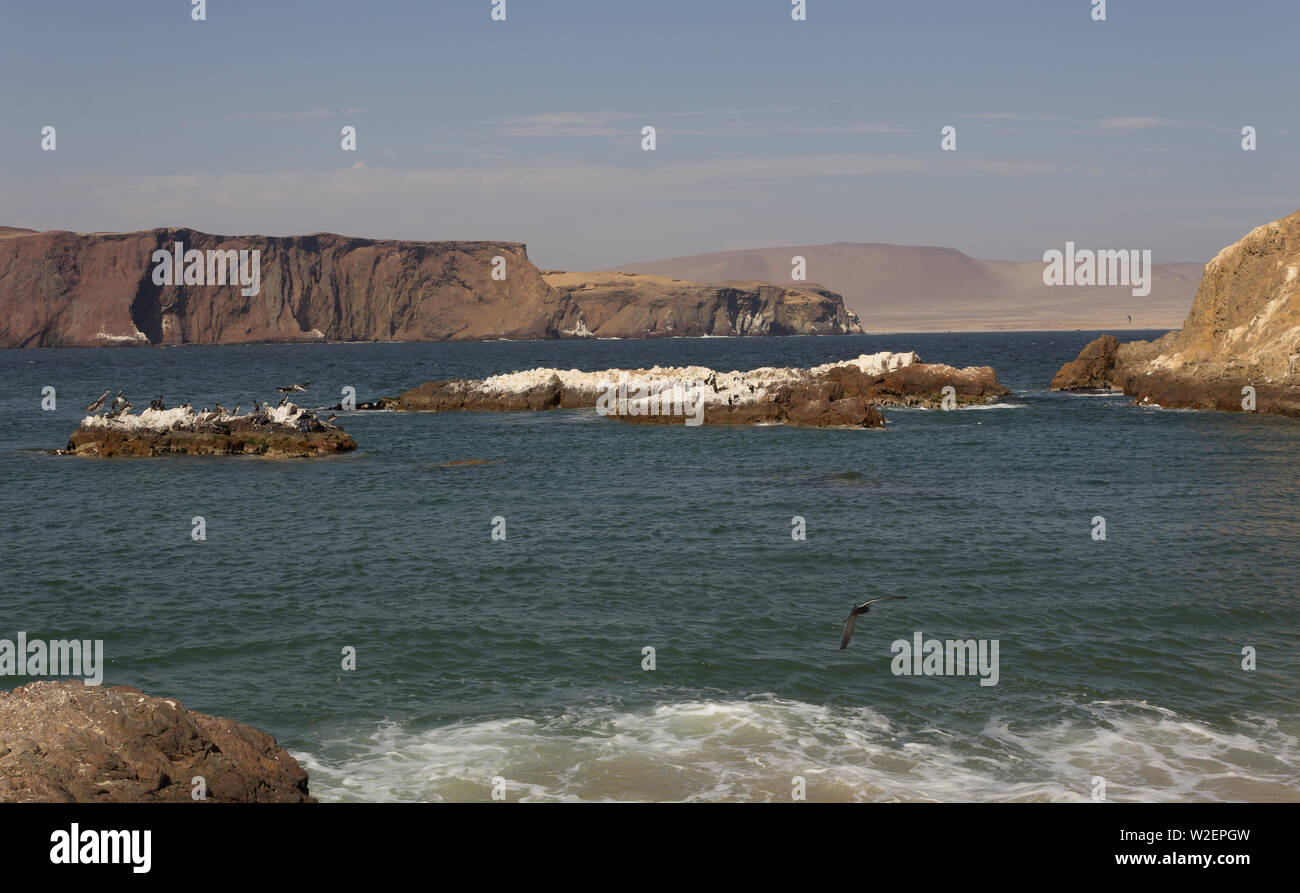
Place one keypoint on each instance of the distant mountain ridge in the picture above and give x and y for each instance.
(895, 288)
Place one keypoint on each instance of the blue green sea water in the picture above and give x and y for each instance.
(523, 658)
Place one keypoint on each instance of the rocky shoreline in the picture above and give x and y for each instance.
(282, 432)
(844, 394)
(67, 742)
(1239, 349)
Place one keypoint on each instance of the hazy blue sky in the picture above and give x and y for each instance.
(1123, 133)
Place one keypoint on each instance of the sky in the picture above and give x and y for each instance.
(1123, 133)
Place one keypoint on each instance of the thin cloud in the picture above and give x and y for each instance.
(1007, 116)
(1137, 123)
(312, 113)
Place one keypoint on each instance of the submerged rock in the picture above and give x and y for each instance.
(69, 742)
(286, 431)
(832, 395)
(1243, 332)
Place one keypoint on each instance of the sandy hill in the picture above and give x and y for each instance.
(915, 288)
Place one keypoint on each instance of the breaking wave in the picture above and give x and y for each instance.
(752, 750)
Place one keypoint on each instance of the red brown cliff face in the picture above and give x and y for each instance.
(64, 289)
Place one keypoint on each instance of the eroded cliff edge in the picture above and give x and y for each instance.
(65, 289)
(1243, 331)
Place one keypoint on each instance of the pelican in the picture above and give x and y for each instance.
(94, 407)
(861, 609)
(289, 389)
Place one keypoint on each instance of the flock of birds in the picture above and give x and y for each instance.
(121, 405)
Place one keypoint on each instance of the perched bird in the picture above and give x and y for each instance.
(331, 418)
(236, 412)
(861, 609)
(289, 389)
(94, 407)
(256, 408)
(121, 404)
(157, 404)
(283, 400)
(220, 410)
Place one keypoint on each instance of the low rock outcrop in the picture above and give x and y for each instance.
(281, 432)
(1093, 369)
(832, 395)
(68, 742)
(1243, 332)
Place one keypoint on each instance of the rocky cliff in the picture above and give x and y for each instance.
(71, 289)
(1243, 331)
(632, 305)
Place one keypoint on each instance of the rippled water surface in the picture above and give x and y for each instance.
(523, 658)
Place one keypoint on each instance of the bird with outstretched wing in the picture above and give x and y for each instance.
(861, 609)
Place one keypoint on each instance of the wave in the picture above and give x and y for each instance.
(892, 409)
(753, 750)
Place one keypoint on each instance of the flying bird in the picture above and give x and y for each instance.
(1130, 318)
(94, 407)
(289, 389)
(861, 609)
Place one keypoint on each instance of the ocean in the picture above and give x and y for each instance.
(522, 658)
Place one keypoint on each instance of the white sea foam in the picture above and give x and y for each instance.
(751, 750)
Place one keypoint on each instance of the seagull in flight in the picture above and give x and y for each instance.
(289, 389)
(861, 609)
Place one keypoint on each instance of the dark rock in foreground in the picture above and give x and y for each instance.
(277, 432)
(69, 742)
(833, 395)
